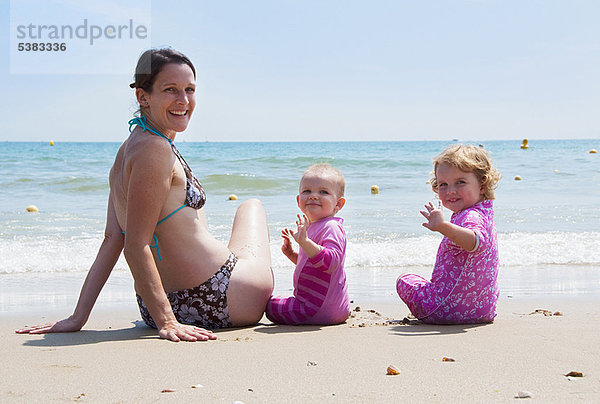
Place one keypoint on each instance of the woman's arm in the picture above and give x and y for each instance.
(148, 188)
(107, 256)
(105, 261)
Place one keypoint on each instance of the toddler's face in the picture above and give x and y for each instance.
(317, 197)
(458, 190)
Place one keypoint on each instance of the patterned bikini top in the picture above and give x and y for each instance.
(195, 197)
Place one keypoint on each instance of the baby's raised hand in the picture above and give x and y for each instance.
(434, 216)
(300, 234)
(287, 248)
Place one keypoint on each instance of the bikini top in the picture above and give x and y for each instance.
(195, 197)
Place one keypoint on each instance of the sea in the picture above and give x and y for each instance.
(548, 222)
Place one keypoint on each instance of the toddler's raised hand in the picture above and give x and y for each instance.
(287, 248)
(300, 234)
(434, 216)
(309, 247)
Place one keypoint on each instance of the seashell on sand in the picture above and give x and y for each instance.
(523, 394)
(574, 374)
(392, 370)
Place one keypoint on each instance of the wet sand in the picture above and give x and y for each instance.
(118, 359)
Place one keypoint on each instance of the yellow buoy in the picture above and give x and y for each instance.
(524, 144)
(593, 151)
(555, 171)
(51, 143)
(374, 189)
(32, 208)
(232, 197)
(517, 178)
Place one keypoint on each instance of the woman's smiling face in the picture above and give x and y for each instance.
(171, 103)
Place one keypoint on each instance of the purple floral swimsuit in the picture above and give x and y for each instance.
(463, 287)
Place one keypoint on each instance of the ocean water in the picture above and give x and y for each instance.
(548, 223)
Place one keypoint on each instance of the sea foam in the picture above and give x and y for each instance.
(49, 253)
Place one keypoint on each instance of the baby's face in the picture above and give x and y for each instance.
(458, 190)
(318, 198)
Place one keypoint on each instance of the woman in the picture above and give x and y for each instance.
(155, 217)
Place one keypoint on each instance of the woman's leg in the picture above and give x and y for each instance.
(251, 281)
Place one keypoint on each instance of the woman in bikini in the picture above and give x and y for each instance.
(185, 279)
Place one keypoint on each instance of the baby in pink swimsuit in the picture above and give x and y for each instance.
(320, 290)
(463, 287)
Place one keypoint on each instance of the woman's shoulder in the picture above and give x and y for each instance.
(142, 156)
(144, 147)
(141, 142)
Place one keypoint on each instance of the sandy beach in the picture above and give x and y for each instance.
(118, 359)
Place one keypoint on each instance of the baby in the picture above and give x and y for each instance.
(320, 290)
(463, 287)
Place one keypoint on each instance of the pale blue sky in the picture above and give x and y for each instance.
(342, 70)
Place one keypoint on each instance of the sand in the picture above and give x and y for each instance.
(116, 359)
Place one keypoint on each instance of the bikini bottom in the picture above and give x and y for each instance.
(204, 305)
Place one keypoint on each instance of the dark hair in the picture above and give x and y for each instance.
(152, 61)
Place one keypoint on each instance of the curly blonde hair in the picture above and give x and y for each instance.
(469, 158)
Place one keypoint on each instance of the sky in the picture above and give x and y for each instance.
(318, 70)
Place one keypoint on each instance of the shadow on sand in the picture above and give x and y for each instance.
(87, 337)
(417, 328)
(286, 329)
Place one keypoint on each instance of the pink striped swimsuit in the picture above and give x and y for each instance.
(320, 290)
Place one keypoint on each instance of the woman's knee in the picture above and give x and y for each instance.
(252, 202)
(251, 205)
(250, 233)
(249, 215)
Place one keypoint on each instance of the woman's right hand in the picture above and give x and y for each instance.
(66, 325)
(175, 331)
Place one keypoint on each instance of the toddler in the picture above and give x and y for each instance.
(320, 290)
(463, 287)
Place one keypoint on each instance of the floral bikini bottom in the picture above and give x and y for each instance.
(204, 305)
